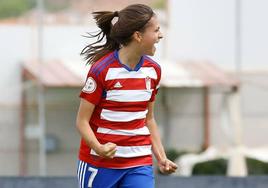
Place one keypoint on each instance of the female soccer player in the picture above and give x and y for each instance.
(115, 117)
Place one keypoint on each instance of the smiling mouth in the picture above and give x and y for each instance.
(156, 43)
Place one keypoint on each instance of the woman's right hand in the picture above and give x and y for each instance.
(106, 150)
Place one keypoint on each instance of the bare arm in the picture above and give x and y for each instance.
(82, 123)
(165, 165)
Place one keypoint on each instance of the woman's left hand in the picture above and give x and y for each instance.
(166, 166)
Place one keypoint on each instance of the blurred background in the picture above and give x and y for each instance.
(212, 106)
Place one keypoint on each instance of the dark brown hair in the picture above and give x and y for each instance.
(130, 19)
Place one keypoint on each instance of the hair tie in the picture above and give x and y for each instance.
(115, 18)
(115, 13)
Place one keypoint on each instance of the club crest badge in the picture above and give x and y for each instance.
(90, 85)
(148, 82)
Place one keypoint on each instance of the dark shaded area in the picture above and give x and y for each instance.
(256, 167)
(212, 167)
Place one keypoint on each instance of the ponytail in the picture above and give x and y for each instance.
(130, 19)
(94, 52)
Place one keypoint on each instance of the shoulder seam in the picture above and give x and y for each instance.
(152, 61)
(102, 62)
(97, 70)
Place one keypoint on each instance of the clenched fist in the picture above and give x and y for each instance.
(107, 150)
(167, 167)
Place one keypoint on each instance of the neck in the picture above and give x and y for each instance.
(129, 57)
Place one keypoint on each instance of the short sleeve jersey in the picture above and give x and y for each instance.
(121, 97)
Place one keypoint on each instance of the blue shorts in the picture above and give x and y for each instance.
(136, 177)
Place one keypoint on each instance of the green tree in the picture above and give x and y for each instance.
(56, 5)
(159, 4)
(14, 8)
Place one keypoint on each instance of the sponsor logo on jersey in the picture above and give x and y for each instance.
(117, 85)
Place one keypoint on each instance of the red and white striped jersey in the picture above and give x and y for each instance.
(121, 98)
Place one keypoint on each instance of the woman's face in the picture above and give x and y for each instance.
(150, 36)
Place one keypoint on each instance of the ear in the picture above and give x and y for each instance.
(137, 36)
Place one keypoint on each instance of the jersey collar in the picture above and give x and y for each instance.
(137, 67)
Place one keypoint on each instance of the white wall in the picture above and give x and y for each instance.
(14, 47)
(255, 38)
(205, 29)
(19, 43)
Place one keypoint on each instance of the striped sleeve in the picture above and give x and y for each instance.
(93, 88)
(156, 84)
